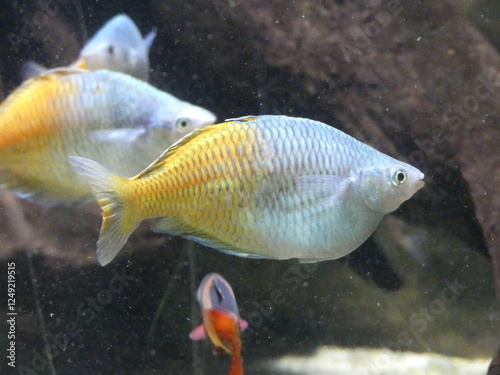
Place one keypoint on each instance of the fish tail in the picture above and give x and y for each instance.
(236, 366)
(118, 219)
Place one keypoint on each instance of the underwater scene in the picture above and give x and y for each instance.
(250, 187)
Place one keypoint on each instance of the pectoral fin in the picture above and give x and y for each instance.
(199, 333)
(122, 135)
(243, 324)
(327, 190)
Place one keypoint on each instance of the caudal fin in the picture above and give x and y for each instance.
(118, 221)
(236, 366)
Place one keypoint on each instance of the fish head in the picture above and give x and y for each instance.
(173, 124)
(384, 189)
(119, 46)
(192, 117)
(215, 292)
(116, 57)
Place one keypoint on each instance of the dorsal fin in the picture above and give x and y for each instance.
(243, 118)
(80, 64)
(64, 71)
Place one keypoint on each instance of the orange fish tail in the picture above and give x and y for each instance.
(119, 219)
(236, 367)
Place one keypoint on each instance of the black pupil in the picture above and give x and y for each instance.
(111, 50)
(184, 123)
(400, 177)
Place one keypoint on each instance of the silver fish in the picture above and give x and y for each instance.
(120, 120)
(117, 46)
(266, 186)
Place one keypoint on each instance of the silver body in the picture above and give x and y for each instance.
(315, 202)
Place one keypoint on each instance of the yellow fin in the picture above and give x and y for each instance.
(118, 221)
(48, 195)
(177, 227)
(80, 64)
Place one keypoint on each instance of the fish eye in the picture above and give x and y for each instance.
(183, 123)
(399, 177)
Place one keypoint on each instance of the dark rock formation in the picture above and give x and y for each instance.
(411, 79)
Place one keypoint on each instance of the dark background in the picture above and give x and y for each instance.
(408, 64)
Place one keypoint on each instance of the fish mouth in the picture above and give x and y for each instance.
(420, 182)
(206, 118)
(210, 119)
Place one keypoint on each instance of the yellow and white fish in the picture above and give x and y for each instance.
(112, 117)
(117, 46)
(268, 186)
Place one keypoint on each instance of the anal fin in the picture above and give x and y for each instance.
(174, 226)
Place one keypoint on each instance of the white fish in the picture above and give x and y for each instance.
(117, 46)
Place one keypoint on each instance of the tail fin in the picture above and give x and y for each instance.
(236, 366)
(118, 221)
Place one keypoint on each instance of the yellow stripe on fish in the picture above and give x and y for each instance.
(267, 186)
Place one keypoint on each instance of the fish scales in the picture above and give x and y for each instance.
(271, 148)
(49, 125)
(221, 186)
(13, 114)
(297, 189)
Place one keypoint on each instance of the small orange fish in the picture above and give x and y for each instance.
(221, 319)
